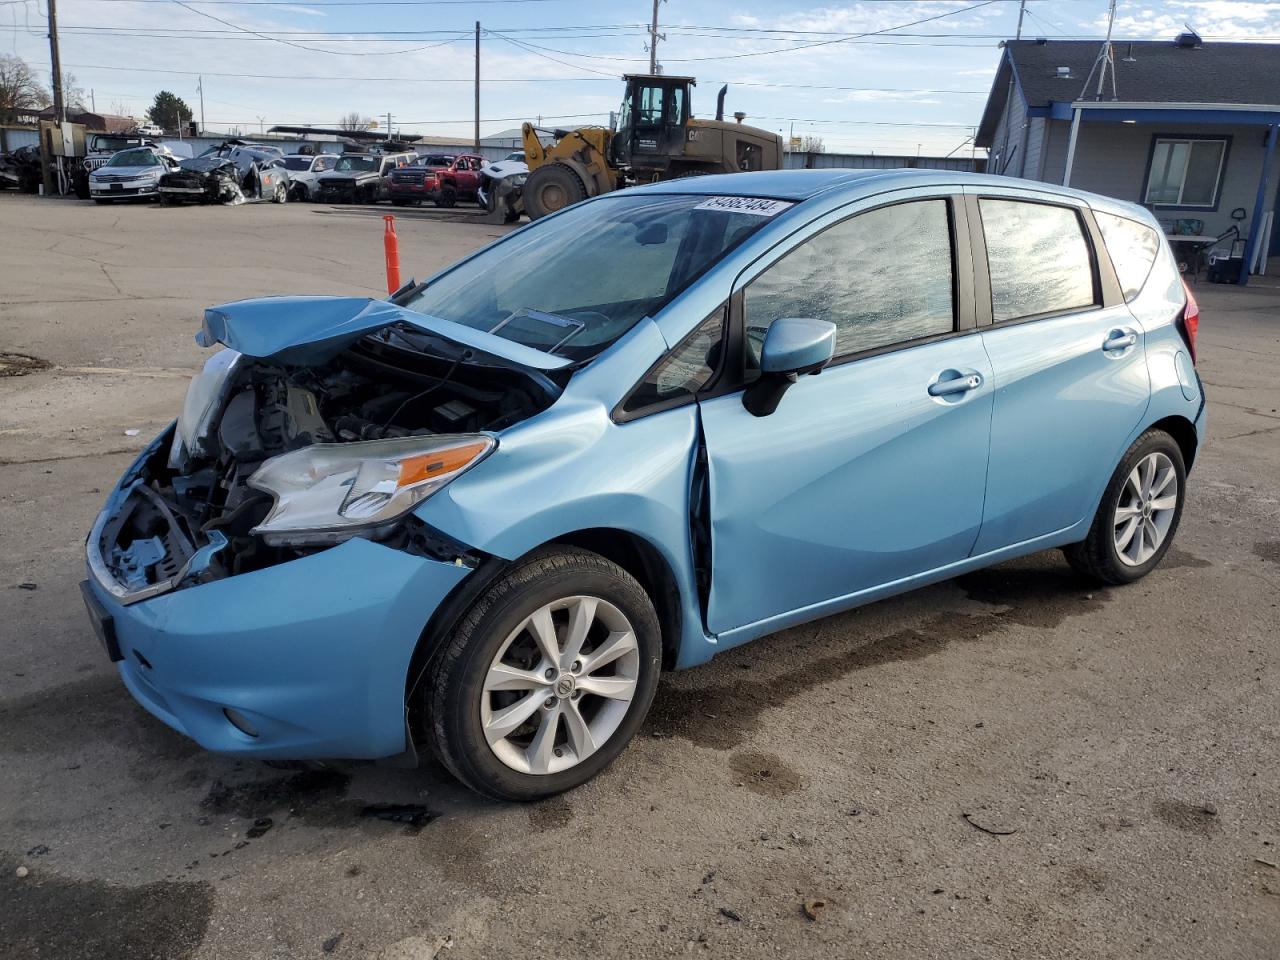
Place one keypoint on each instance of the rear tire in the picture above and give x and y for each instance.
(571, 719)
(552, 187)
(1138, 515)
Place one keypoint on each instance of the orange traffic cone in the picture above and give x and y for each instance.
(392, 246)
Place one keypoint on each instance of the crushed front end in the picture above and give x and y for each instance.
(258, 574)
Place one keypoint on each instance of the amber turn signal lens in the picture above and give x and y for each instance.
(429, 466)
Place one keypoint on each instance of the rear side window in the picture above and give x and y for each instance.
(1038, 259)
(882, 277)
(1133, 247)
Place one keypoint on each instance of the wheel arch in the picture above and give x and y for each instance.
(1183, 432)
(633, 553)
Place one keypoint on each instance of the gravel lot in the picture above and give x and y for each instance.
(1014, 763)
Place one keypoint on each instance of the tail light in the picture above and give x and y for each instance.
(1190, 322)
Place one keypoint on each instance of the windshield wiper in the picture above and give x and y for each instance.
(574, 326)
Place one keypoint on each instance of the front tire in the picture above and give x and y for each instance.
(1139, 513)
(281, 194)
(546, 678)
(552, 187)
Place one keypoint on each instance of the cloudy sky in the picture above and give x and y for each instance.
(893, 76)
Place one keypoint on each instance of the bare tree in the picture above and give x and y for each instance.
(812, 144)
(20, 92)
(353, 122)
(74, 97)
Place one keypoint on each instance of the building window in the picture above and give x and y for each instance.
(1185, 172)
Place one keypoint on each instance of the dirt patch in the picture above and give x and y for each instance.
(50, 916)
(1268, 550)
(1187, 817)
(19, 364)
(765, 773)
(551, 814)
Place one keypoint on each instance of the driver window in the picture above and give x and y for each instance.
(882, 277)
(675, 105)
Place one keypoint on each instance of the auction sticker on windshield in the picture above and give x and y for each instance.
(754, 205)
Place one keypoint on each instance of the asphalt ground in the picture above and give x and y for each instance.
(1014, 763)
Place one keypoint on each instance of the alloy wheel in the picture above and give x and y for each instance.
(560, 685)
(1145, 510)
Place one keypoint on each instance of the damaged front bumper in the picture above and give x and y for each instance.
(147, 566)
(306, 659)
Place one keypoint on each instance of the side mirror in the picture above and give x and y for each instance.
(792, 347)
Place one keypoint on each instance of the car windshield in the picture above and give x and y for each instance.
(436, 161)
(574, 283)
(133, 158)
(113, 143)
(297, 163)
(357, 163)
(203, 163)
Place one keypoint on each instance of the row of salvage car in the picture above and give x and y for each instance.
(237, 171)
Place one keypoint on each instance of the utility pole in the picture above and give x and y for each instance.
(477, 127)
(59, 107)
(388, 126)
(1022, 9)
(200, 87)
(654, 37)
(93, 100)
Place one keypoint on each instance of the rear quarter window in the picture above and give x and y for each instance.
(1133, 247)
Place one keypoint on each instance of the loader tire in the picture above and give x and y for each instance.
(550, 188)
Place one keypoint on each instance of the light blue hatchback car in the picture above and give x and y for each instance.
(482, 516)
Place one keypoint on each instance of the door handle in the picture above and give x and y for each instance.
(1119, 340)
(961, 384)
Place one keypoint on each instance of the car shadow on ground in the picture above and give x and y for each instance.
(719, 705)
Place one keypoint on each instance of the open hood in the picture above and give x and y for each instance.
(311, 330)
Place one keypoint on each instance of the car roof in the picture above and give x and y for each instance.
(800, 185)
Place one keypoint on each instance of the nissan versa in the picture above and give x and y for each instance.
(480, 517)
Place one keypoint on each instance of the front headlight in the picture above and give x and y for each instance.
(329, 492)
(204, 398)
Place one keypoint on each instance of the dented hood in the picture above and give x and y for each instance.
(311, 330)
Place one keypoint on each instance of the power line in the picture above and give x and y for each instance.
(438, 80)
(764, 53)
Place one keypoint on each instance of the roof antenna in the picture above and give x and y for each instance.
(1105, 62)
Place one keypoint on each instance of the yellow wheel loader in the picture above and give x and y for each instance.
(655, 138)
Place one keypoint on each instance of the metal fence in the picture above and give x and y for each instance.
(873, 161)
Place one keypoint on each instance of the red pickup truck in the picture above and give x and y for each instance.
(443, 179)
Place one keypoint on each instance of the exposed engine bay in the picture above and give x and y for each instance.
(194, 501)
